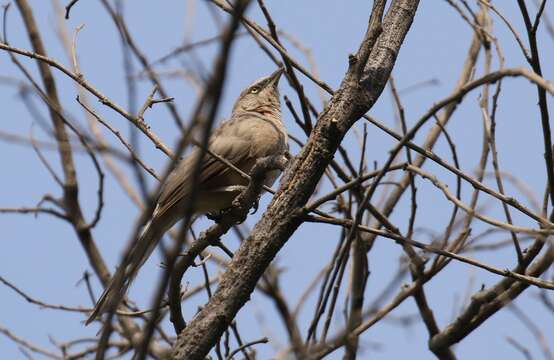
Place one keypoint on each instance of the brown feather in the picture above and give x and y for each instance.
(255, 130)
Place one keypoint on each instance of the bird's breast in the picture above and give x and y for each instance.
(266, 134)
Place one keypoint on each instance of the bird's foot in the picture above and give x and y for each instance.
(256, 204)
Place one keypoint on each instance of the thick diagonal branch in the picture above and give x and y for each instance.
(284, 214)
(241, 205)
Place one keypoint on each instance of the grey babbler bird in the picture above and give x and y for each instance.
(255, 130)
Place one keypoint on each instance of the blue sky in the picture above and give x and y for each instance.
(43, 257)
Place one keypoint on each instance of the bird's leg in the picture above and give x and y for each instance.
(239, 201)
(250, 196)
(288, 157)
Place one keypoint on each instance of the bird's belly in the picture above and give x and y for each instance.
(216, 200)
(220, 198)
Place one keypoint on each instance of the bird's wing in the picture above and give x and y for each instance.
(225, 143)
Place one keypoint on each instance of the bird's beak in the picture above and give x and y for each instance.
(274, 78)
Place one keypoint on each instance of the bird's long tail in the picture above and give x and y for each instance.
(125, 274)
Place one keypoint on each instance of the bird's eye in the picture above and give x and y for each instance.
(254, 90)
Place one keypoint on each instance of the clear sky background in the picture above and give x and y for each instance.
(42, 256)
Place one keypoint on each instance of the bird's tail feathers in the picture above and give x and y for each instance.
(117, 288)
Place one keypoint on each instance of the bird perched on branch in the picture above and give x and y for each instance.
(254, 131)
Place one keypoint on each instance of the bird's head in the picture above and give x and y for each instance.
(261, 96)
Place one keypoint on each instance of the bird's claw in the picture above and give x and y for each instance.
(255, 205)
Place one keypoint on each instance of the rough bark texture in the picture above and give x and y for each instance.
(365, 79)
